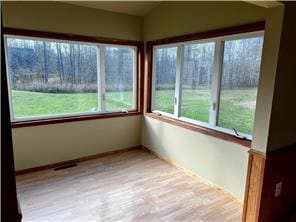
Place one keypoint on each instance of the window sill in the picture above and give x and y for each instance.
(56, 120)
(201, 129)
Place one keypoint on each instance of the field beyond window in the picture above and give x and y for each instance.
(28, 104)
(48, 77)
(240, 103)
(213, 82)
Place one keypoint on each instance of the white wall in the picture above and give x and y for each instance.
(283, 120)
(53, 16)
(177, 18)
(40, 145)
(220, 162)
(272, 36)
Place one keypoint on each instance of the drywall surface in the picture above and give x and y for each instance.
(71, 19)
(41, 145)
(283, 119)
(220, 162)
(265, 93)
(179, 18)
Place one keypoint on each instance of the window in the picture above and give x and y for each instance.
(240, 74)
(164, 79)
(120, 78)
(196, 81)
(210, 82)
(56, 78)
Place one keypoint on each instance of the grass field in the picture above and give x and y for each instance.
(236, 106)
(28, 104)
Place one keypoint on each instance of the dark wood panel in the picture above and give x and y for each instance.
(264, 172)
(281, 163)
(48, 121)
(258, 26)
(10, 211)
(148, 65)
(140, 77)
(70, 37)
(280, 167)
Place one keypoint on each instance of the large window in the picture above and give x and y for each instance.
(120, 78)
(51, 78)
(238, 91)
(196, 81)
(164, 79)
(210, 82)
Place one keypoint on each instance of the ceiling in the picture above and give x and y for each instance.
(142, 8)
(265, 4)
(138, 8)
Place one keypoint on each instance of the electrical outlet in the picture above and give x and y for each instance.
(278, 189)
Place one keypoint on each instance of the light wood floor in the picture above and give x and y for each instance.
(130, 186)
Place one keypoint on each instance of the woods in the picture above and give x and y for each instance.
(240, 68)
(59, 67)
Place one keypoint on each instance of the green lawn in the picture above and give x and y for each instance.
(237, 109)
(236, 106)
(28, 104)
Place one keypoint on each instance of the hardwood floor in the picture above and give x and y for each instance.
(130, 186)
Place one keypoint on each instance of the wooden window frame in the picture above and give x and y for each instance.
(248, 28)
(87, 39)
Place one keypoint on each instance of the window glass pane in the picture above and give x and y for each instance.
(196, 81)
(48, 77)
(164, 79)
(240, 74)
(120, 77)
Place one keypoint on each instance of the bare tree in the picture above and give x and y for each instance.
(60, 63)
(45, 67)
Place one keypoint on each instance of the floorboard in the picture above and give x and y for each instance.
(130, 186)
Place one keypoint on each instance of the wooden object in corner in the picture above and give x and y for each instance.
(254, 183)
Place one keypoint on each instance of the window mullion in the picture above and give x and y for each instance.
(101, 78)
(9, 83)
(135, 71)
(154, 81)
(178, 84)
(216, 83)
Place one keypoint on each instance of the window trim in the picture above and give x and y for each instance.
(214, 35)
(199, 129)
(61, 118)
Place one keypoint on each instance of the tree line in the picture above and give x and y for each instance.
(46, 66)
(240, 67)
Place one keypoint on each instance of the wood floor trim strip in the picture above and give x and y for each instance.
(193, 174)
(77, 160)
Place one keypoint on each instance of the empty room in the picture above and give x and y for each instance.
(148, 111)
